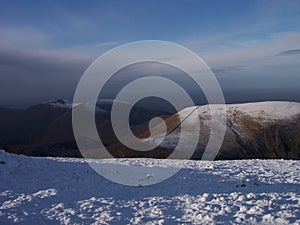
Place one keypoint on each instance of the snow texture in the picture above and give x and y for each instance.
(275, 110)
(68, 191)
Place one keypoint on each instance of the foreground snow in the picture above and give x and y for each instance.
(68, 191)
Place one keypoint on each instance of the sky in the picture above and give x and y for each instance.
(253, 47)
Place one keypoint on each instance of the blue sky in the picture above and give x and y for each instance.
(47, 44)
(62, 24)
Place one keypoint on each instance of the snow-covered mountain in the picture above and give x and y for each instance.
(264, 130)
(67, 191)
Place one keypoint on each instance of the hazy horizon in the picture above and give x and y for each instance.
(252, 47)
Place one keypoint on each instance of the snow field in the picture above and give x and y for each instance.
(68, 191)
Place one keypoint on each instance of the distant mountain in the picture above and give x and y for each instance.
(46, 129)
(265, 130)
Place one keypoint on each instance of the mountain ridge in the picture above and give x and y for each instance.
(253, 130)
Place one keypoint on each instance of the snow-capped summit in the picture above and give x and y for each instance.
(253, 130)
(268, 110)
(59, 103)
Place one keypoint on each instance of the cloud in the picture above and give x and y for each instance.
(289, 52)
(38, 74)
(222, 69)
(31, 66)
(252, 53)
(21, 36)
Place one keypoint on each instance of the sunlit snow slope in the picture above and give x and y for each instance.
(265, 130)
(68, 191)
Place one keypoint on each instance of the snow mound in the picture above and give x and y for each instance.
(68, 191)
